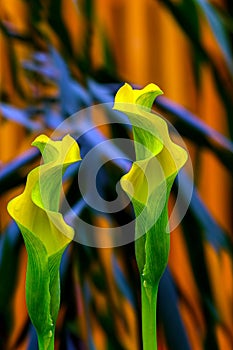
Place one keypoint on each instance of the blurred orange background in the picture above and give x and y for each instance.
(147, 45)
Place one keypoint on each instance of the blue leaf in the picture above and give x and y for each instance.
(218, 30)
(122, 282)
(213, 233)
(19, 116)
(169, 313)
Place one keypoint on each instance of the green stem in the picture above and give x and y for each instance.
(149, 303)
(46, 343)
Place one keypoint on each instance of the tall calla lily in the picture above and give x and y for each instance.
(45, 233)
(148, 184)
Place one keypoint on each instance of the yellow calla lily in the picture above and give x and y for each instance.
(46, 234)
(148, 184)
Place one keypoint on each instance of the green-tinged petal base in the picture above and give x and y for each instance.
(45, 233)
(148, 184)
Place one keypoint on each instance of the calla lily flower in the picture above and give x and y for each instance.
(148, 184)
(45, 233)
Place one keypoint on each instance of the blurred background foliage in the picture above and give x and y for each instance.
(59, 56)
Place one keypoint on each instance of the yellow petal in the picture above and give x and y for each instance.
(144, 97)
(148, 173)
(34, 209)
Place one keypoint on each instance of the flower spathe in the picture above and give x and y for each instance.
(45, 233)
(149, 181)
(148, 184)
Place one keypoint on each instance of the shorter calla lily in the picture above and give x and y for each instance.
(148, 184)
(45, 233)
